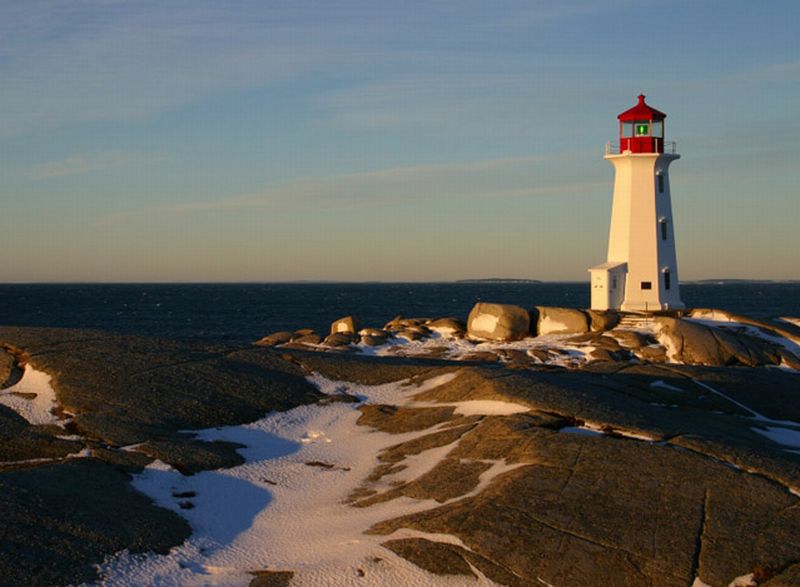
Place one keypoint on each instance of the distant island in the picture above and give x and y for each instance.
(498, 280)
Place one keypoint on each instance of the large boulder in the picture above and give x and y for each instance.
(498, 322)
(602, 320)
(310, 338)
(399, 323)
(694, 343)
(561, 321)
(346, 325)
(447, 327)
(410, 334)
(337, 339)
(373, 336)
(276, 338)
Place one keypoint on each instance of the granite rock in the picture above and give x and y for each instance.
(498, 322)
(346, 325)
(694, 343)
(561, 321)
(276, 338)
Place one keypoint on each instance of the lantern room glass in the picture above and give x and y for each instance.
(627, 130)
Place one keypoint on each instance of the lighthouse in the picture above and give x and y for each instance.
(641, 270)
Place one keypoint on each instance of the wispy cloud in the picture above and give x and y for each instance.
(108, 60)
(86, 163)
(72, 62)
(454, 184)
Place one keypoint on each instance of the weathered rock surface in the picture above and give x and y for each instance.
(697, 344)
(126, 389)
(308, 338)
(400, 323)
(373, 340)
(346, 325)
(271, 578)
(561, 321)
(498, 322)
(338, 339)
(6, 368)
(602, 320)
(410, 335)
(587, 510)
(374, 332)
(448, 327)
(275, 339)
(651, 354)
(570, 522)
(60, 520)
(631, 339)
(682, 482)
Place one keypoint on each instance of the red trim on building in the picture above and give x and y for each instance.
(642, 112)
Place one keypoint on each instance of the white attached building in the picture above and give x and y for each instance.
(641, 270)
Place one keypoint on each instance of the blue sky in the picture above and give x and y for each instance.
(436, 140)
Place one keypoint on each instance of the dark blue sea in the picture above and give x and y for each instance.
(241, 313)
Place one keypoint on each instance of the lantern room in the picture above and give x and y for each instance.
(641, 129)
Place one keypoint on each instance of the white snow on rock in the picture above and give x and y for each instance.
(548, 325)
(785, 436)
(570, 354)
(722, 319)
(36, 410)
(284, 509)
(484, 407)
(593, 429)
(660, 384)
(485, 323)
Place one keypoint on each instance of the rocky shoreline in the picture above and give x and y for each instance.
(564, 447)
(706, 337)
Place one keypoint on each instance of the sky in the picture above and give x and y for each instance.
(278, 140)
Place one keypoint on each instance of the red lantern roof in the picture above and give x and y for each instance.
(642, 112)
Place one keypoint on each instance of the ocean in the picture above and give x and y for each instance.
(242, 313)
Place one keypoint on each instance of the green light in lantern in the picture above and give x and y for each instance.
(641, 130)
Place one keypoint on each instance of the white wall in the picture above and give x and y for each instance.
(635, 233)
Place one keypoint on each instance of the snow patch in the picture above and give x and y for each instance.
(484, 323)
(277, 512)
(38, 409)
(484, 407)
(748, 580)
(784, 436)
(446, 331)
(660, 384)
(549, 325)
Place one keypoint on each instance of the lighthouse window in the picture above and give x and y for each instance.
(642, 129)
(627, 130)
(666, 279)
(660, 182)
(663, 230)
(647, 285)
(658, 128)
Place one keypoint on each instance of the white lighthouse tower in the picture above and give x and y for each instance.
(641, 270)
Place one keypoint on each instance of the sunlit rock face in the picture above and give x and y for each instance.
(694, 343)
(561, 321)
(498, 322)
(346, 325)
